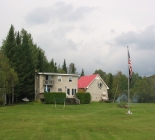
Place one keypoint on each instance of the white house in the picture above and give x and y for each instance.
(95, 85)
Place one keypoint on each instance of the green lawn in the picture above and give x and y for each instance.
(95, 121)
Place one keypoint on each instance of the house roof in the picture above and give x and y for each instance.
(85, 81)
(58, 74)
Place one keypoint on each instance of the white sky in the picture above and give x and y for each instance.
(93, 34)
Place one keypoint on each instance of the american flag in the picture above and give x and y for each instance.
(130, 65)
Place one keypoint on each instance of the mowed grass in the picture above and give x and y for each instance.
(93, 121)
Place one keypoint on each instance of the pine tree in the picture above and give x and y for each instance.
(55, 68)
(40, 65)
(9, 46)
(64, 66)
(72, 69)
(82, 73)
(28, 67)
(52, 66)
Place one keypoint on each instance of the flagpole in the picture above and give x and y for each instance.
(128, 95)
(128, 85)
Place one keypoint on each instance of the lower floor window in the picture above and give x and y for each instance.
(60, 89)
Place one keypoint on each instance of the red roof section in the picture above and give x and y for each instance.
(85, 81)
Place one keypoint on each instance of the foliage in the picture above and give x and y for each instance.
(9, 46)
(37, 101)
(71, 69)
(1, 101)
(119, 85)
(8, 77)
(64, 68)
(84, 97)
(50, 97)
(122, 104)
(82, 73)
(110, 84)
(42, 64)
(102, 74)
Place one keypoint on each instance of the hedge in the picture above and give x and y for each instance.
(50, 96)
(84, 97)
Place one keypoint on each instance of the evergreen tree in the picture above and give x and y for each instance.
(52, 66)
(9, 46)
(55, 68)
(60, 70)
(64, 66)
(72, 69)
(82, 73)
(26, 66)
(41, 59)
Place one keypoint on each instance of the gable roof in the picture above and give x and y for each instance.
(85, 81)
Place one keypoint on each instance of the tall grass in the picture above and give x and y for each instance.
(93, 121)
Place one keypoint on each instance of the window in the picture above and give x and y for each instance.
(70, 78)
(68, 91)
(60, 89)
(59, 78)
(48, 77)
(100, 85)
(73, 91)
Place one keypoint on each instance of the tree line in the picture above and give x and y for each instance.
(20, 57)
(142, 89)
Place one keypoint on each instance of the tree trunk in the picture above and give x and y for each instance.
(9, 99)
(12, 95)
(115, 92)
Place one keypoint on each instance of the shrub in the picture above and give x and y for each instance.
(37, 101)
(49, 97)
(122, 105)
(84, 97)
(1, 101)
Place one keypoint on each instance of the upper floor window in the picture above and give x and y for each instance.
(59, 78)
(100, 85)
(48, 77)
(70, 78)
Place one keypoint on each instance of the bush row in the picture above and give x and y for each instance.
(50, 97)
(84, 98)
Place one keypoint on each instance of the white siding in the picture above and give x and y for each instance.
(95, 91)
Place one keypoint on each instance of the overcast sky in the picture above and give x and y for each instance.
(92, 34)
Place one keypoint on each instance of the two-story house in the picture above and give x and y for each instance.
(55, 82)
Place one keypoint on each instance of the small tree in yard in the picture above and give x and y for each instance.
(8, 77)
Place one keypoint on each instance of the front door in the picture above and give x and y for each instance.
(71, 92)
(68, 93)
